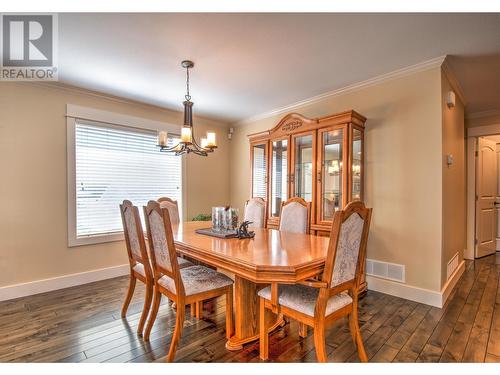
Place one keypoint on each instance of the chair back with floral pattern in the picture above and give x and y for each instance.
(173, 209)
(161, 244)
(255, 211)
(134, 235)
(347, 248)
(295, 216)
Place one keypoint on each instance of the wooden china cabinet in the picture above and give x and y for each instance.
(320, 160)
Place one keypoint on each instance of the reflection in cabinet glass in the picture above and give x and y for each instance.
(331, 181)
(357, 159)
(319, 160)
(279, 175)
(303, 176)
(259, 171)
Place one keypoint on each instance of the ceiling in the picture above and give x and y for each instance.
(249, 64)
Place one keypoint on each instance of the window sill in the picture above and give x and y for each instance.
(93, 240)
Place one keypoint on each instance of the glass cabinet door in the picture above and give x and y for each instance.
(279, 175)
(357, 161)
(259, 170)
(303, 167)
(331, 178)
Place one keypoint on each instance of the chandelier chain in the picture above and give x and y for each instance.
(187, 96)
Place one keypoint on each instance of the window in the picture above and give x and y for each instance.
(259, 171)
(113, 163)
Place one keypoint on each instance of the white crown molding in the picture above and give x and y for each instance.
(452, 78)
(483, 114)
(118, 99)
(420, 67)
(47, 285)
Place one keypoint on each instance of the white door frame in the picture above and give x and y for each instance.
(472, 135)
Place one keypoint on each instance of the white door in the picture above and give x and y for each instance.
(486, 192)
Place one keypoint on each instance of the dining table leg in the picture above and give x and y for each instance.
(246, 310)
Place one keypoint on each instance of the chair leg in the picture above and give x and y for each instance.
(357, 333)
(179, 323)
(229, 313)
(145, 309)
(192, 309)
(263, 333)
(152, 316)
(128, 297)
(199, 310)
(302, 330)
(352, 329)
(319, 341)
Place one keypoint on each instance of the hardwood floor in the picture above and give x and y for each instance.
(83, 324)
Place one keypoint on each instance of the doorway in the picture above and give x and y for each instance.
(484, 170)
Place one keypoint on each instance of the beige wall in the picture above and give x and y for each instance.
(454, 179)
(409, 131)
(403, 164)
(33, 197)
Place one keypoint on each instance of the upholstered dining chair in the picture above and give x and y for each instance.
(173, 209)
(318, 303)
(255, 211)
(138, 259)
(183, 286)
(295, 215)
(140, 265)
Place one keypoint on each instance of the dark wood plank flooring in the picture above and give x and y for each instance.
(83, 324)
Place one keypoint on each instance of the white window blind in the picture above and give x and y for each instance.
(259, 171)
(114, 163)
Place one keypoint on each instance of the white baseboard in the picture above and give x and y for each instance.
(421, 295)
(61, 282)
(452, 281)
(413, 293)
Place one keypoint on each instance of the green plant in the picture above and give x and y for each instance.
(202, 217)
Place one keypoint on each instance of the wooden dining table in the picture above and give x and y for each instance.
(271, 256)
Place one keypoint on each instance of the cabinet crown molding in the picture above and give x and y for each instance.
(296, 123)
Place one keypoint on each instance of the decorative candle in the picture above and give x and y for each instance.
(186, 134)
(204, 143)
(211, 139)
(162, 138)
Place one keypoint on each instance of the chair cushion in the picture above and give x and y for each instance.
(303, 298)
(197, 279)
(183, 263)
(139, 268)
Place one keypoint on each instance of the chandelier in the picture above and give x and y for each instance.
(187, 142)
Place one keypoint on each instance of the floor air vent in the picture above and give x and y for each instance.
(385, 270)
